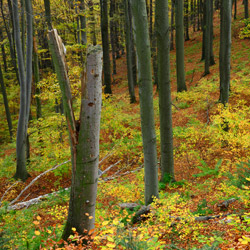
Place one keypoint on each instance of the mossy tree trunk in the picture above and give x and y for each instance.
(146, 98)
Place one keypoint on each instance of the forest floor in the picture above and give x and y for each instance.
(211, 165)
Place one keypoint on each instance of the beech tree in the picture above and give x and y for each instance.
(225, 49)
(165, 102)
(83, 134)
(129, 50)
(180, 70)
(146, 98)
(25, 76)
(105, 45)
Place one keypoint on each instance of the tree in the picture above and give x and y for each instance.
(129, 50)
(6, 104)
(207, 37)
(25, 76)
(180, 70)
(165, 102)
(83, 134)
(225, 50)
(105, 45)
(246, 8)
(146, 98)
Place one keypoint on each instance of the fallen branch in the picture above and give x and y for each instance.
(108, 168)
(35, 179)
(7, 191)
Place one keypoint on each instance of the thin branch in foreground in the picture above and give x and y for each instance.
(34, 180)
(7, 191)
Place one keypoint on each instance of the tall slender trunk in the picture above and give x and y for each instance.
(235, 9)
(186, 20)
(113, 34)
(83, 22)
(3, 50)
(180, 70)
(165, 102)
(105, 45)
(246, 9)
(25, 76)
(129, 54)
(172, 24)
(207, 31)
(225, 50)
(6, 104)
(92, 22)
(146, 98)
(36, 79)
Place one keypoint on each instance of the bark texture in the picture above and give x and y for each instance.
(225, 50)
(165, 102)
(146, 98)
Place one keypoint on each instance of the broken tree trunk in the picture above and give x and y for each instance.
(84, 138)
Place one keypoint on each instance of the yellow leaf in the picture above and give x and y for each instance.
(110, 239)
(36, 222)
(73, 229)
(87, 214)
(111, 245)
(38, 217)
(37, 232)
(91, 217)
(105, 223)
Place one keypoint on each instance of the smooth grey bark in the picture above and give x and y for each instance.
(6, 104)
(225, 50)
(85, 175)
(129, 54)
(84, 136)
(179, 33)
(146, 98)
(25, 76)
(165, 102)
(105, 45)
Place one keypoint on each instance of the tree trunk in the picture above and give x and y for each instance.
(83, 22)
(207, 30)
(47, 13)
(165, 102)
(172, 24)
(225, 50)
(11, 44)
(129, 54)
(180, 70)
(113, 34)
(146, 98)
(6, 104)
(25, 88)
(3, 50)
(186, 20)
(235, 9)
(105, 45)
(36, 79)
(246, 8)
(92, 22)
(84, 137)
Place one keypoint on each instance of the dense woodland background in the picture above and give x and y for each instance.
(172, 165)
